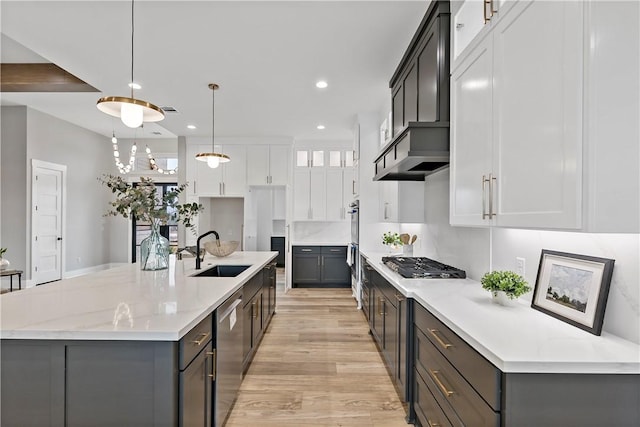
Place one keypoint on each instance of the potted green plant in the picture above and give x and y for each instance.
(505, 286)
(391, 240)
(4, 263)
(142, 201)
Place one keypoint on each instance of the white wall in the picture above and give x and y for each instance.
(29, 134)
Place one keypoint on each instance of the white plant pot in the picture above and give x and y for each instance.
(501, 298)
(4, 264)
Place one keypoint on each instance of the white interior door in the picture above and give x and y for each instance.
(47, 188)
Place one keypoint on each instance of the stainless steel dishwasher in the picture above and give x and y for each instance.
(228, 356)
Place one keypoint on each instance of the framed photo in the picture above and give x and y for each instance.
(573, 288)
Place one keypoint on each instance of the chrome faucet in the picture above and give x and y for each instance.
(198, 246)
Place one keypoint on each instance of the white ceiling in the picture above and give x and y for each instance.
(266, 56)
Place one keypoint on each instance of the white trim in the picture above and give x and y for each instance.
(63, 169)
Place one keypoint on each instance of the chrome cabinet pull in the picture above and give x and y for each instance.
(434, 333)
(203, 337)
(213, 355)
(443, 388)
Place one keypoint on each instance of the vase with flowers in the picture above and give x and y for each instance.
(143, 202)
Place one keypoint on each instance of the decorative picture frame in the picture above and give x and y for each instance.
(573, 288)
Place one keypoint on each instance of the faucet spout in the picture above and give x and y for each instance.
(198, 245)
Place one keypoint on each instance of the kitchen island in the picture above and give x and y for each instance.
(117, 347)
(467, 360)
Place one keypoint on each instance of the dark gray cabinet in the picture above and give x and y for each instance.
(269, 293)
(196, 390)
(420, 84)
(320, 266)
(453, 384)
(252, 318)
(278, 244)
(388, 322)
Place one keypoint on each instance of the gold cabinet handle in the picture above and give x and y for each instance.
(484, 199)
(432, 424)
(484, 11)
(434, 333)
(493, 11)
(203, 337)
(380, 309)
(254, 312)
(492, 181)
(443, 388)
(399, 297)
(213, 355)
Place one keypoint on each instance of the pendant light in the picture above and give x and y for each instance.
(213, 159)
(133, 112)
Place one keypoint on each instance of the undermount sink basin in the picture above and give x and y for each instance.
(222, 271)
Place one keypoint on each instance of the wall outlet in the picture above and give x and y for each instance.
(520, 263)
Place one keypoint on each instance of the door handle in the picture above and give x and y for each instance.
(59, 238)
(213, 355)
(492, 180)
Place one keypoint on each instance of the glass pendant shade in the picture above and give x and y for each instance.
(131, 115)
(213, 162)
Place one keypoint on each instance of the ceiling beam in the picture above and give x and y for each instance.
(40, 78)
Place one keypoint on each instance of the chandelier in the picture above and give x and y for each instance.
(125, 169)
(213, 159)
(133, 112)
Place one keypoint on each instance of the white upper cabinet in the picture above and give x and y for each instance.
(534, 126)
(268, 164)
(472, 17)
(401, 201)
(229, 179)
(516, 113)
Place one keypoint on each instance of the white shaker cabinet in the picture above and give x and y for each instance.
(516, 121)
(268, 164)
(402, 201)
(340, 193)
(228, 179)
(309, 194)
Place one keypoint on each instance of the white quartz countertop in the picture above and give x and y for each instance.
(515, 339)
(124, 303)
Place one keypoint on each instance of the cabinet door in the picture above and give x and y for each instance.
(318, 194)
(256, 320)
(208, 180)
(376, 318)
(279, 161)
(335, 270)
(195, 391)
(191, 173)
(388, 192)
(538, 115)
(467, 23)
(247, 333)
(390, 339)
(301, 195)
(334, 184)
(306, 268)
(258, 165)
(428, 78)
(235, 171)
(348, 189)
(411, 95)
(471, 136)
(401, 370)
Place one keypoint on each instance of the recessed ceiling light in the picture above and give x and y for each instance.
(320, 127)
(191, 127)
(134, 85)
(321, 84)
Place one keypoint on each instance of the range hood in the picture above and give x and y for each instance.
(420, 149)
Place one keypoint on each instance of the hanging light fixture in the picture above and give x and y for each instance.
(213, 159)
(133, 112)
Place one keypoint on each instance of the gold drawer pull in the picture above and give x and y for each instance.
(399, 297)
(203, 337)
(440, 341)
(434, 375)
(212, 375)
(431, 424)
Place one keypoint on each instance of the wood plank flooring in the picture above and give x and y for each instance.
(317, 365)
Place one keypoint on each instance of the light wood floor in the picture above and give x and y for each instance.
(317, 366)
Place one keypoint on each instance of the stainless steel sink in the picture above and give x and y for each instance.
(222, 271)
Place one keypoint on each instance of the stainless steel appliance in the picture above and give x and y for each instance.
(422, 268)
(354, 251)
(229, 335)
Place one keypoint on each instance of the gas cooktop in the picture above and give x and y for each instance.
(422, 268)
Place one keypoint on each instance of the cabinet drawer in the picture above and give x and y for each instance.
(335, 250)
(449, 387)
(478, 371)
(307, 249)
(195, 340)
(428, 411)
